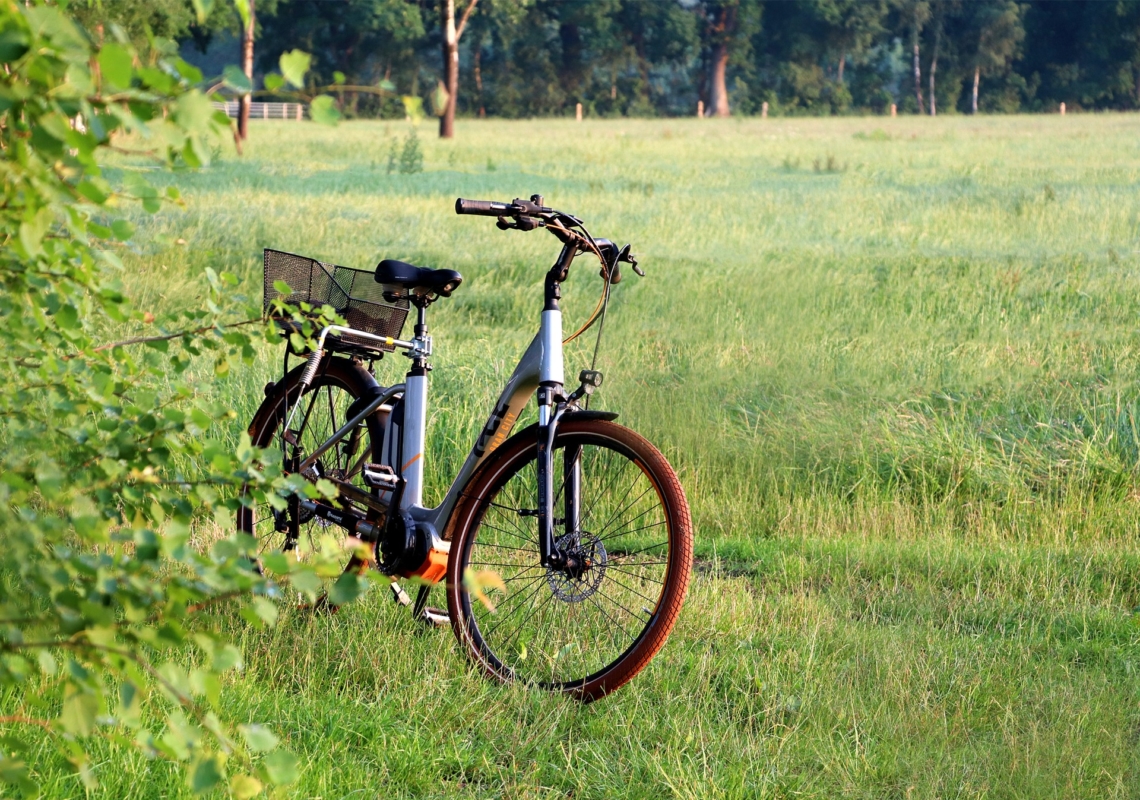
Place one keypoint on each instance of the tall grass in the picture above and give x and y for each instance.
(895, 362)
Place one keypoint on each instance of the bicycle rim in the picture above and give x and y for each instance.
(590, 630)
(316, 415)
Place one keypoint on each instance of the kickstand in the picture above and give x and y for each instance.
(432, 617)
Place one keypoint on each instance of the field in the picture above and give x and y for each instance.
(895, 363)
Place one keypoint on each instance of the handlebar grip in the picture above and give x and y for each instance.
(483, 208)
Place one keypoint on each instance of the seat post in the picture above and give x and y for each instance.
(421, 320)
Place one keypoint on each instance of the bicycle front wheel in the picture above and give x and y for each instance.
(588, 629)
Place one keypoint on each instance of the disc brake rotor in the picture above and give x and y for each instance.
(588, 550)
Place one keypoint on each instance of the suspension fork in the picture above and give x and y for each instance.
(549, 555)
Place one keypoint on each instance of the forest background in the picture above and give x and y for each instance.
(525, 58)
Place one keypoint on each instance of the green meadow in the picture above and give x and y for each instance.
(895, 363)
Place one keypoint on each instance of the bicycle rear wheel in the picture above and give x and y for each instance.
(316, 414)
(584, 631)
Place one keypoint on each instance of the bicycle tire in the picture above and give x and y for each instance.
(579, 646)
(342, 381)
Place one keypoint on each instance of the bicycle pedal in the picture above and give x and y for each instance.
(399, 595)
(380, 476)
(435, 617)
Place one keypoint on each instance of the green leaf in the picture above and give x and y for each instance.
(244, 787)
(122, 229)
(236, 79)
(323, 111)
(294, 65)
(386, 86)
(80, 708)
(205, 775)
(273, 81)
(280, 767)
(259, 738)
(188, 71)
(306, 581)
(91, 192)
(265, 610)
(282, 288)
(277, 563)
(242, 7)
(226, 657)
(194, 112)
(47, 662)
(202, 9)
(67, 317)
(115, 66)
(338, 77)
(346, 589)
(439, 99)
(13, 44)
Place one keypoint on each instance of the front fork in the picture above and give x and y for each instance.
(549, 415)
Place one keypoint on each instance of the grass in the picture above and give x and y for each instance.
(895, 363)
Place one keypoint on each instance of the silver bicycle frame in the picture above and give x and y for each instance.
(541, 364)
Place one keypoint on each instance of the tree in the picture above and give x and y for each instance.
(249, 19)
(728, 27)
(354, 43)
(939, 11)
(851, 27)
(451, 36)
(171, 19)
(913, 16)
(996, 26)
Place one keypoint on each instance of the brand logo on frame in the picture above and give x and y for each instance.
(501, 421)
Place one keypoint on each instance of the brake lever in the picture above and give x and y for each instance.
(521, 223)
(630, 259)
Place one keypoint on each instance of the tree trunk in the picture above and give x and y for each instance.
(934, 68)
(247, 66)
(479, 80)
(917, 72)
(572, 69)
(450, 67)
(719, 89)
(842, 60)
(974, 99)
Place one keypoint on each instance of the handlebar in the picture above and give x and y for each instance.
(485, 208)
(531, 214)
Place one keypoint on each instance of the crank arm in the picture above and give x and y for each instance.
(353, 523)
(358, 495)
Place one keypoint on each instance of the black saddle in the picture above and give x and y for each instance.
(413, 280)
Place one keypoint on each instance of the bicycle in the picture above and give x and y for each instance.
(581, 524)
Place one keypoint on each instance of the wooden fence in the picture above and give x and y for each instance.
(294, 111)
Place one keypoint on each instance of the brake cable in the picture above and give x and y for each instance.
(603, 301)
(599, 314)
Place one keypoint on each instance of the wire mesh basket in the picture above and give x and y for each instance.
(354, 293)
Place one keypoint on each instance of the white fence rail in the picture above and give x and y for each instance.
(294, 111)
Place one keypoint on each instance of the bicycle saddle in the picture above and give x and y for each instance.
(417, 280)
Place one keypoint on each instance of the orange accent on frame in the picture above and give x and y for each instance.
(411, 461)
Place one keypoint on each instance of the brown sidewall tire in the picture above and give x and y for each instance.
(505, 462)
(341, 373)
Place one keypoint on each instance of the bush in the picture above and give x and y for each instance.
(107, 458)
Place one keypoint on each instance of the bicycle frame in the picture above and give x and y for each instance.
(540, 370)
